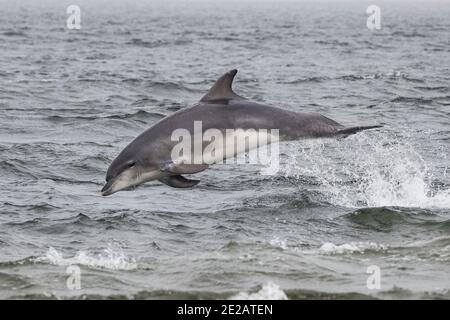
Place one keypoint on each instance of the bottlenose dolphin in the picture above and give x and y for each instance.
(148, 157)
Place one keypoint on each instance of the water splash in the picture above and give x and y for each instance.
(367, 170)
(353, 247)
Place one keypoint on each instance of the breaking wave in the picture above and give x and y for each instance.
(110, 258)
(269, 291)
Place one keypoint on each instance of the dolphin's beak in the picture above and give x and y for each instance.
(128, 181)
(107, 188)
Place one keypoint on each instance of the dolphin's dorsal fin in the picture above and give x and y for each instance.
(221, 90)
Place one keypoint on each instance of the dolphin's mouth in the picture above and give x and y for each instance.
(128, 181)
(107, 188)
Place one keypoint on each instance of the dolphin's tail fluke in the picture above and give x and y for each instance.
(352, 130)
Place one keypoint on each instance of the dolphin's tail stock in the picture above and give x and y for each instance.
(352, 130)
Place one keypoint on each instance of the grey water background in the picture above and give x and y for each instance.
(70, 100)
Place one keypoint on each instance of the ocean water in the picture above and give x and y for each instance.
(70, 100)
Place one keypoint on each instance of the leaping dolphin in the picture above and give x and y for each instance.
(148, 157)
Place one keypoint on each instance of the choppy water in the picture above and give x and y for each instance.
(70, 100)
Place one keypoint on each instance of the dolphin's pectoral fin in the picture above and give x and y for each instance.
(179, 168)
(179, 181)
(221, 90)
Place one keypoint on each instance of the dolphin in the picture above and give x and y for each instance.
(149, 156)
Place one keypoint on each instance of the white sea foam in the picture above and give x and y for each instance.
(353, 247)
(110, 258)
(269, 291)
(279, 243)
(369, 170)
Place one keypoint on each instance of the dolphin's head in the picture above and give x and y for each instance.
(129, 170)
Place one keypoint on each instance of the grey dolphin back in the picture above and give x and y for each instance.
(352, 130)
(222, 89)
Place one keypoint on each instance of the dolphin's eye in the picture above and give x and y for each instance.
(131, 164)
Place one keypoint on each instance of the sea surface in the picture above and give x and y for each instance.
(337, 215)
